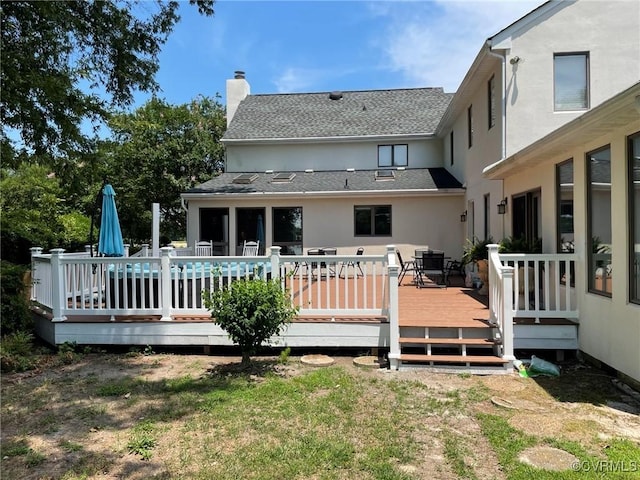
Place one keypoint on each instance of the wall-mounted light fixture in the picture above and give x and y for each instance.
(502, 207)
(463, 216)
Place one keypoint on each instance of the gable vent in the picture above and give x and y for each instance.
(245, 178)
(335, 95)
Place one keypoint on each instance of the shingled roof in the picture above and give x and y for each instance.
(353, 114)
(419, 179)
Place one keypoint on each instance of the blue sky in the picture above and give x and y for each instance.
(318, 46)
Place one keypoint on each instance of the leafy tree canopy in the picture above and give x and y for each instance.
(34, 213)
(158, 152)
(54, 52)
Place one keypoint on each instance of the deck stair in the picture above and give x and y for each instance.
(466, 345)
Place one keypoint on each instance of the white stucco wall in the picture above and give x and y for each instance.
(337, 155)
(470, 161)
(432, 221)
(609, 31)
(609, 327)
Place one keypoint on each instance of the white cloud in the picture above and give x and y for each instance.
(434, 43)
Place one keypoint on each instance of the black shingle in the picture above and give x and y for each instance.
(334, 181)
(357, 113)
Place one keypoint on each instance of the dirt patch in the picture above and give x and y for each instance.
(83, 414)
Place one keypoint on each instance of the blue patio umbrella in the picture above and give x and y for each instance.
(260, 232)
(110, 243)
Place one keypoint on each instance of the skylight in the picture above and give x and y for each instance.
(283, 177)
(382, 175)
(245, 178)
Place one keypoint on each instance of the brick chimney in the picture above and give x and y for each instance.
(237, 90)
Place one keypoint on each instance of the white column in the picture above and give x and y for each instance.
(275, 263)
(57, 285)
(507, 316)
(393, 312)
(34, 274)
(165, 283)
(155, 231)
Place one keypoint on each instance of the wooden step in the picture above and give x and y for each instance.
(404, 357)
(448, 341)
(459, 322)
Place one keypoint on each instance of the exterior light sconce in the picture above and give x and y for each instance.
(502, 207)
(463, 216)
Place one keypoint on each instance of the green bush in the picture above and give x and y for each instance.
(250, 311)
(16, 352)
(14, 304)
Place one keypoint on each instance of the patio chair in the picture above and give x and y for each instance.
(405, 267)
(356, 265)
(431, 265)
(250, 249)
(204, 248)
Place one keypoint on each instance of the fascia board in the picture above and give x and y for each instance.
(329, 194)
(309, 140)
(502, 39)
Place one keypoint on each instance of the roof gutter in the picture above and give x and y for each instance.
(325, 194)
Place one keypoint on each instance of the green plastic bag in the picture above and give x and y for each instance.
(538, 366)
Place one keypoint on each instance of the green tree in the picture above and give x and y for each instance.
(157, 152)
(35, 214)
(251, 312)
(64, 62)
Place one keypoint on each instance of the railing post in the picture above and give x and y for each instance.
(394, 325)
(275, 261)
(165, 283)
(145, 249)
(57, 285)
(126, 249)
(507, 316)
(34, 251)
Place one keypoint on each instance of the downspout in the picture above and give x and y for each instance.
(503, 129)
(503, 132)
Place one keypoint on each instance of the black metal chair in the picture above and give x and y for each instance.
(431, 265)
(405, 267)
(356, 265)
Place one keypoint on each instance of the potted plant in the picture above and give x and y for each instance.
(476, 251)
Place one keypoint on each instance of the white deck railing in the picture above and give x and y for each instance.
(78, 284)
(530, 286)
(543, 285)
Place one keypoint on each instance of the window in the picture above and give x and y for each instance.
(634, 217)
(214, 225)
(249, 227)
(564, 189)
(287, 229)
(491, 99)
(372, 220)
(564, 217)
(599, 220)
(451, 146)
(393, 155)
(470, 125)
(571, 81)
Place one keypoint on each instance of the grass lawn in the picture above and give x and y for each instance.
(170, 416)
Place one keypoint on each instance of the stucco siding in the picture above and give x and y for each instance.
(609, 326)
(361, 155)
(432, 221)
(608, 31)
